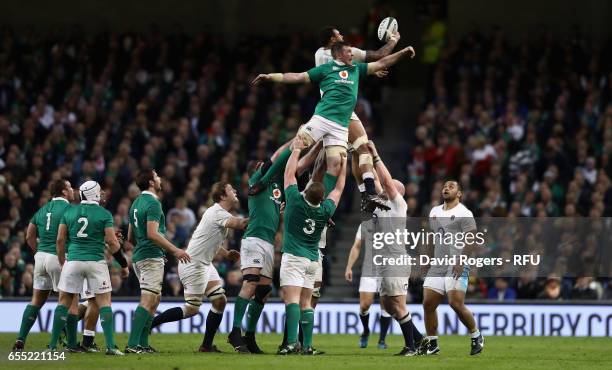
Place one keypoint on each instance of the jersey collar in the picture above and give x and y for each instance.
(61, 198)
(150, 193)
(310, 204)
(339, 62)
(89, 202)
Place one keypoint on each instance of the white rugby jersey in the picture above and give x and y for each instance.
(458, 219)
(210, 234)
(323, 55)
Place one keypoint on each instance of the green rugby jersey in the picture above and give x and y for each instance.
(146, 207)
(47, 220)
(264, 210)
(86, 223)
(339, 84)
(304, 224)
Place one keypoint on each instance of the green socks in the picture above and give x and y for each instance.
(277, 165)
(59, 321)
(307, 321)
(240, 308)
(144, 336)
(253, 315)
(27, 321)
(329, 182)
(139, 321)
(108, 326)
(71, 330)
(292, 311)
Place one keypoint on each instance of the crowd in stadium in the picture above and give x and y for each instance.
(526, 127)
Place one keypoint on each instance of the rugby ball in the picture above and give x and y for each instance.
(386, 27)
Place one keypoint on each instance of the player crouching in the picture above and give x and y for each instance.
(305, 217)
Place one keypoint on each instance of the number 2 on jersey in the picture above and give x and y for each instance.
(81, 233)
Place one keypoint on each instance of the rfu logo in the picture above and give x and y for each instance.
(343, 75)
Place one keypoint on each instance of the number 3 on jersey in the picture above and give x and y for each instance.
(310, 226)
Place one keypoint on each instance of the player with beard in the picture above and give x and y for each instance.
(146, 232)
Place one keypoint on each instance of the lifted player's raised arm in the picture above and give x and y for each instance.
(386, 49)
(390, 60)
(287, 78)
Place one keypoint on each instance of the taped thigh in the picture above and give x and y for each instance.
(305, 136)
(335, 151)
(361, 140)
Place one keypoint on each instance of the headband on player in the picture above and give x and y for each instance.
(90, 190)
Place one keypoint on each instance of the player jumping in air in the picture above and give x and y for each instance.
(200, 277)
(47, 269)
(453, 217)
(368, 287)
(339, 82)
(363, 170)
(87, 228)
(146, 232)
(306, 215)
(393, 288)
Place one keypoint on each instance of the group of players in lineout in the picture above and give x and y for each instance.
(70, 240)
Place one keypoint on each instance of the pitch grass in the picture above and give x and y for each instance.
(177, 351)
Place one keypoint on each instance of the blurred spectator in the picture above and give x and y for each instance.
(501, 291)
(552, 289)
(233, 283)
(586, 288)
